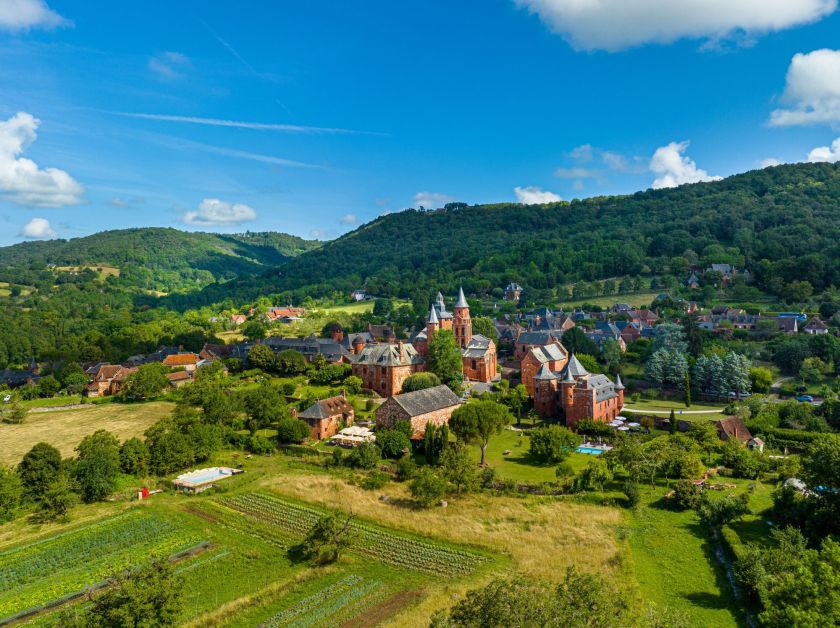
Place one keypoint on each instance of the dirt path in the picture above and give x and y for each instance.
(676, 411)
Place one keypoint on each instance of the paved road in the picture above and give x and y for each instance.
(677, 411)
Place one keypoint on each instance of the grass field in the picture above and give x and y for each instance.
(103, 270)
(230, 337)
(65, 428)
(638, 299)
(661, 407)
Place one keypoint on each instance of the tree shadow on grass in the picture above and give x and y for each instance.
(725, 599)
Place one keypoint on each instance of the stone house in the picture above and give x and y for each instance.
(383, 368)
(327, 416)
(432, 405)
(108, 379)
(553, 355)
(733, 428)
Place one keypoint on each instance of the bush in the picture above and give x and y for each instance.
(259, 445)
(552, 444)
(393, 443)
(631, 491)
(686, 495)
(428, 487)
(134, 457)
(375, 480)
(291, 430)
(365, 456)
(288, 388)
(406, 469)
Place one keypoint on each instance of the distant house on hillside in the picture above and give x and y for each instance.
(107, 379)
(360, 295)
(733, 428)
(815, 326)
(513, 291)
(189, 361)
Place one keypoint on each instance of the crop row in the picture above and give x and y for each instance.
(377, 542)
(39, 572)
(312, 602)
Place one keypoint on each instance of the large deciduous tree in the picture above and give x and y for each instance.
(478, 421)
(444, 359)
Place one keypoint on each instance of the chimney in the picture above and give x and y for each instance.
(293, 412)
(338, 334)
(344, 393)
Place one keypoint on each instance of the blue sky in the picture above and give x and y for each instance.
(313, 117)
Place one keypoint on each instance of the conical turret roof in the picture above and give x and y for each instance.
(462, 300)
(618, 384)
(433, 317)
(573, 370)
(545, 373)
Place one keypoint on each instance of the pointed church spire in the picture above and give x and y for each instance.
(433, 317)
(462, 300)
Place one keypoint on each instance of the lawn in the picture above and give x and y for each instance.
(674, 564)
(662, 407)
(360, 307)
(65, 428)
(518, 465)
(638, 299)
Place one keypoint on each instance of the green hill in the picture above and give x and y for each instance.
(156, 258)
(782, 223)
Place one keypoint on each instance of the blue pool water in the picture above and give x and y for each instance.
(589, 450)
(209, 477)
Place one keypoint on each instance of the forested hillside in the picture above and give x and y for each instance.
(155, 258)
(782, 223)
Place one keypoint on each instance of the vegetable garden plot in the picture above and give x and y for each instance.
(380, 543)
(44, 570)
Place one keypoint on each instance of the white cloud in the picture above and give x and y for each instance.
(239, 124)
(617, 24)
(22, 181)
(583, 153)
(212, 211)
(673, 168)
(770, 162)
(812, 90)
(170, 65)
(828, 154)
(577, 173)
(38, 229)
(533, 195)
(432, 199)
(348, 219)
(17, 15)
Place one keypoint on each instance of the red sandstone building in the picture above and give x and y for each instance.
(478, 352)
(384, 367)
(575, 394)
(421, 407)
(327, 416)
(553, 355)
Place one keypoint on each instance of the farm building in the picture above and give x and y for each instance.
(432, 405)
(327, 416)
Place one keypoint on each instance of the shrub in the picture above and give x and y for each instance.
(406, 468)
(393, 443)
(365, 456)
(259, 445)
(375, 480)
(552, 444)
(631, 491)
(686, 495)
(427, 487)
(291, 430)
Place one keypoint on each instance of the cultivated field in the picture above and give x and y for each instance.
(103, 270)
(65, 428)
(638, 299)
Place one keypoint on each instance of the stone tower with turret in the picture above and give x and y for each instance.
(461, 321)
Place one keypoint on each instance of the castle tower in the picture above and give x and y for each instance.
(619, 388)
(567, 385)
(432, 324)
(462, 323)
(545, 392)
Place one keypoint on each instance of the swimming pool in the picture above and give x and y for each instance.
(212, 474)
(589, 450)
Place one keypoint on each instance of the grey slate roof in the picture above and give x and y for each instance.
(326, 408)
(476, 347)
(462, 300)
(574, 368)
(433, 316)
(542, 337)
(549, 352)
(389, 355)
(427, 400)
(545, 373)
(604, 388)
